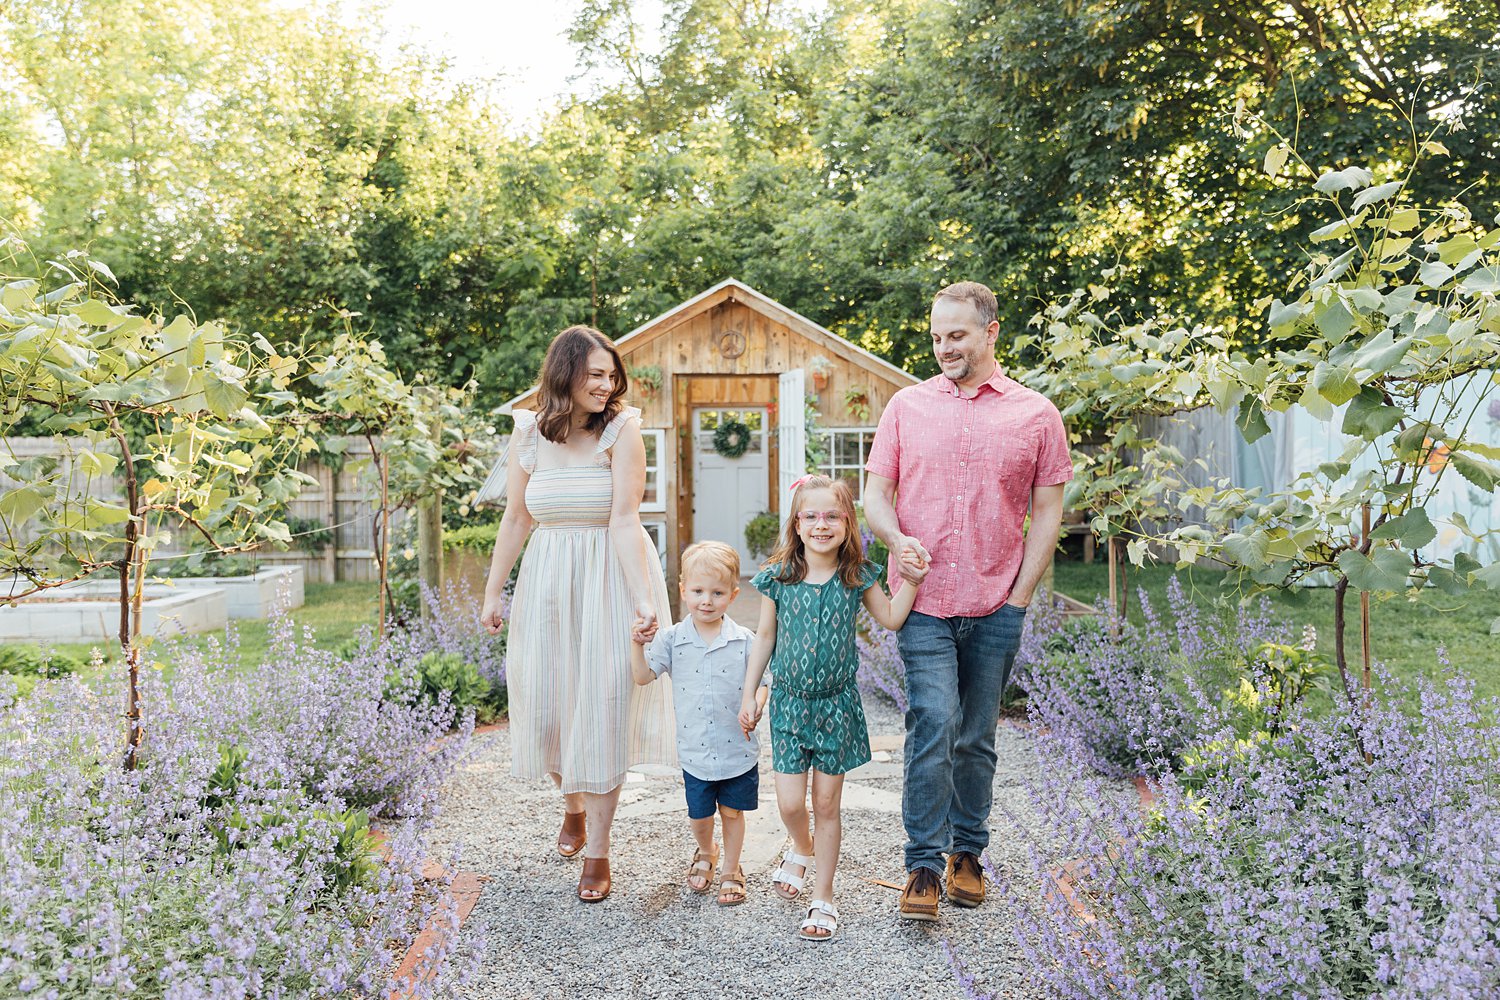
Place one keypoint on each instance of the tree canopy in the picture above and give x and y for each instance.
(266, 166)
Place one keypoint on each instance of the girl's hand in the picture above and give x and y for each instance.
(914, 568)
(490, 618)
(909, 547)
(749, 716)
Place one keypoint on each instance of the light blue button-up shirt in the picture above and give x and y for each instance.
(707, 681)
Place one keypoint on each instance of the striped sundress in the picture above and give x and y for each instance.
(574, 709)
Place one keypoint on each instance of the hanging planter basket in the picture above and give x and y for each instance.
(731, 439)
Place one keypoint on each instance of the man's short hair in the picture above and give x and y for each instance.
(977, 295)
(712, 557)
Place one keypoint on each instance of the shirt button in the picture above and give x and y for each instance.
(953, 565)
(961, 463)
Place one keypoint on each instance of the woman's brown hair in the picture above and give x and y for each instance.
(792, 555)
(563, 369)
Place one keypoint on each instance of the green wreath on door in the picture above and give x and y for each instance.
(731, 439)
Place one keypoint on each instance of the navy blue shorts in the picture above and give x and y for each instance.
(704, 797)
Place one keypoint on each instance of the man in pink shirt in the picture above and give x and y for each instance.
(957, 463)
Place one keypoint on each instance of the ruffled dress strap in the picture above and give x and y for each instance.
(612, 431)
(524, 439)
(765, 581)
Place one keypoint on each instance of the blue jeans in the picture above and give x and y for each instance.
(956, 671)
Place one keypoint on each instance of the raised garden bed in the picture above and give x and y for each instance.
(85, 612)
(253, 596)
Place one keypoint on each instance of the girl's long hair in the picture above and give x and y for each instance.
(563, 370)
(791, 553)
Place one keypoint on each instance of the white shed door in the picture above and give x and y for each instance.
(728, 492)
(791, 431)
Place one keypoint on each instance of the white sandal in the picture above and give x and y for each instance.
(783, 877)
(821, 916)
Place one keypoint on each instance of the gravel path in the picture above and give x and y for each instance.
(654, 938)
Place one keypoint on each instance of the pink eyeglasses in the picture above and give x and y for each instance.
(811, 517)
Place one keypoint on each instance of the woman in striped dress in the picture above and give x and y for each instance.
(577, 470)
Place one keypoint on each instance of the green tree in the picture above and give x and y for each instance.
(196, 424)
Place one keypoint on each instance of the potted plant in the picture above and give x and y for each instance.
(857, 399)
(648, 378)
(819, 368)
(760, 533)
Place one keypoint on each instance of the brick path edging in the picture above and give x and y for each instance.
(464, 887)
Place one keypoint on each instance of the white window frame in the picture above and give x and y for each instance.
(659, 537)
(833, 470)
(656, 473)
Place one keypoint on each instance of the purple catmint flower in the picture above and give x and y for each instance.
(881, 670)
(232, 862)
(1293, 867)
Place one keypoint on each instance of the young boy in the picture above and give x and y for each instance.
(706, 653)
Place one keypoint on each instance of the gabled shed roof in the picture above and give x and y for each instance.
(733, 290)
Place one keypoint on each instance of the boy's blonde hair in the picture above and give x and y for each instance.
(712, 557)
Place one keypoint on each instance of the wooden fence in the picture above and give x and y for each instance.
(345, 501)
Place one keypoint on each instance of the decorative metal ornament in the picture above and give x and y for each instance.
(732, 344)
(731, 439)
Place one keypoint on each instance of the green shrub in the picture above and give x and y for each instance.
(466, 686)
(761, 532)
(478, 538)
(34, 662)
(205, 564)
(309, 534)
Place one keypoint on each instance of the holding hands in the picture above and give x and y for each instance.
(913, 560)
(750, 711)
(643, 629)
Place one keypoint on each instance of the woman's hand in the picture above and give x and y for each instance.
(645, 621)
(490, 617)
(642, 631)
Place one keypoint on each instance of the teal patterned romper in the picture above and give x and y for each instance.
(817, 720)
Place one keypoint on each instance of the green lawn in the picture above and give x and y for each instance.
(1404, 636)
(335, 611)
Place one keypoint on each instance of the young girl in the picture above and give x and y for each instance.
(813, 586)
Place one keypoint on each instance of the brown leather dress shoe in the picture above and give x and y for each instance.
(965, 879)
(919, 900)
(572, 836)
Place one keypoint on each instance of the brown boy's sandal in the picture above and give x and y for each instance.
(572, 836)
(595, 878)
(732, 887)
(703, 867)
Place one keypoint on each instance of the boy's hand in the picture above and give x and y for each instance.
(642, 631)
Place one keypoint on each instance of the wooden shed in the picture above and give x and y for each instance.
(732, 354)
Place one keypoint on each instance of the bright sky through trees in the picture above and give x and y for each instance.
(522, 41)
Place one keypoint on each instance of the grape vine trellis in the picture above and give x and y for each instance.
(203, 428)
(1381, 333)
(199, 426)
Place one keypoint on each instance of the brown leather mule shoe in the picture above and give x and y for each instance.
(572, 836)
(595, 878)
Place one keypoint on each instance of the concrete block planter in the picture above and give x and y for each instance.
(89, 612)
(253, 596)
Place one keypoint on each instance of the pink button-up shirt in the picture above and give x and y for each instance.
(964, 469)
